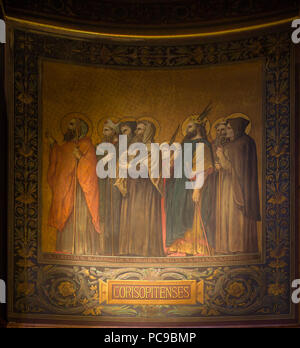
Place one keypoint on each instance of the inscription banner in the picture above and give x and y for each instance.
(185, 292)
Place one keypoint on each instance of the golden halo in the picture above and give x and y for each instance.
(68, 117)
(237, 115)
(213, 131)
(101, 123)
(154, 121)
(189, 119)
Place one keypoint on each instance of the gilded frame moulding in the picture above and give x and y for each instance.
(254, 292)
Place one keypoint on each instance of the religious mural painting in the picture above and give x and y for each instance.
(130, 249)
(145, 217)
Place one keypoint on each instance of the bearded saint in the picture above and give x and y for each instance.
(141, 220)
(210, 192)
(128, 128)
(110, 198)
(221, 138)
(239, 208)
(185, 233)
(74, 211)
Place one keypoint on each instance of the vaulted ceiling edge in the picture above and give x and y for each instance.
(151, 17)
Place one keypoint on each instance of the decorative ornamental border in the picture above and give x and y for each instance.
(254, 292)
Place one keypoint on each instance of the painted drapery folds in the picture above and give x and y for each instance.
(47, 281)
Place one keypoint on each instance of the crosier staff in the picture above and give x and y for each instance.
(219, 169)
(78, 156)
(196, 194)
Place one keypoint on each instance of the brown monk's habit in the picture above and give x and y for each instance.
(239, 194)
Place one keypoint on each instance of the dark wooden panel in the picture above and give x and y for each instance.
(145, 13)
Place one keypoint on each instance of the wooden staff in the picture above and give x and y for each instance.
(75, 192)
(219, 201)
(203, 229)
(174, 135)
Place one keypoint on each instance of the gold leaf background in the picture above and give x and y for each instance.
(168, 95)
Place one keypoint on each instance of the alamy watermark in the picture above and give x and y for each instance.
(2, 31)
(296, 33)
(154, 161)
(2, 291)
(296, 293)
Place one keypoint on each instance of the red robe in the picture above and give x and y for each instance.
(61, 178)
